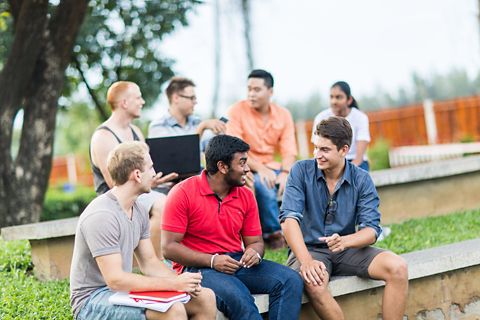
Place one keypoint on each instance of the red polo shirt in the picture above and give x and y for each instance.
(209, 225)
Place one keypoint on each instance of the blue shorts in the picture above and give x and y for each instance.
(97, 307)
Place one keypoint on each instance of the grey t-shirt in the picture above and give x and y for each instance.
(103, 229)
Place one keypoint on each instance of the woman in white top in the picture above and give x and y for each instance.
(342, 104)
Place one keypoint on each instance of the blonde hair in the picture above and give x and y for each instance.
(124, 159)
(117, 92)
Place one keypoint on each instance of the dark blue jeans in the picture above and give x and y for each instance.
(267, 205)
(234, 292)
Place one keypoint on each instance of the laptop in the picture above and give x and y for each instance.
(180, 154)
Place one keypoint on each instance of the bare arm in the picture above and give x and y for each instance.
(149, 264)
(360, 152)
(266, 174)
(217, 126)
(118, 280)
(101, 144)
(174, 250)
(312, 271)
(359, 239)
(253, 251)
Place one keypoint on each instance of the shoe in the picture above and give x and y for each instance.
(276, 241)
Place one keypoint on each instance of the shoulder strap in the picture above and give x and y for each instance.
(108, 129)
(135, 136)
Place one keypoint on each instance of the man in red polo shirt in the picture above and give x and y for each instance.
(206, 220)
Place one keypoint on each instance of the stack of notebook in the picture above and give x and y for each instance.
(154, 300)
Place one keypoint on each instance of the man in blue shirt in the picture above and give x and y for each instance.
(330, 217)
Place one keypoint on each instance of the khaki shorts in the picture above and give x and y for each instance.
(350, 262)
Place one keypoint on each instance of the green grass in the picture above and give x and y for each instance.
(21, 295)
(24, 297)
(431, 232)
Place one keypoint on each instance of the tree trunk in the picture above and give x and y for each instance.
(247, 33)
(217, 61)
(33, 79)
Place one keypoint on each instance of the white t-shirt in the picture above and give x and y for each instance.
(359, 123)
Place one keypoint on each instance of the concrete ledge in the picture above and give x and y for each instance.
(41, 230)
(426, 171)
(425, 190)
(52, 245)
(421, 264)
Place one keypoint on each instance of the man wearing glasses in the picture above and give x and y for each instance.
(330, 217)
(180, 119)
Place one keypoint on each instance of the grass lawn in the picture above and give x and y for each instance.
(23, 297)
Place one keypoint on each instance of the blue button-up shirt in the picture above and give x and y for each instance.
(168, 126)
(306, 199)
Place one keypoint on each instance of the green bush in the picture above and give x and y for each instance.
(59, 204)
(378, 155)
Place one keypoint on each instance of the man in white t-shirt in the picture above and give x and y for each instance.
(342, 104)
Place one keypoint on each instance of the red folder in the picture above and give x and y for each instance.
(160, 296)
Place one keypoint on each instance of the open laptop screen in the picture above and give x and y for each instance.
(180, 154)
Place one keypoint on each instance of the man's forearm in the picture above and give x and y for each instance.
(293, 235)
(185, 256)
(287, 163)
(254, 165)
(257, 246)
(136, 282)
(361, 238)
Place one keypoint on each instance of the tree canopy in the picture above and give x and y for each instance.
(43, 39)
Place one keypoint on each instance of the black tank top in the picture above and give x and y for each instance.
(99, 182)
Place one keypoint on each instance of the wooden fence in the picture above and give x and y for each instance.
(457, 120)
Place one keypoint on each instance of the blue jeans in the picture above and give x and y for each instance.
(234, 292)
(267, 205)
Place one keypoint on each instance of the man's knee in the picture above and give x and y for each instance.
(317, 293)
(390, 267)
(398, 269)
(206, 303)
(177, 311)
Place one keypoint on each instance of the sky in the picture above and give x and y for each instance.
(309, 44)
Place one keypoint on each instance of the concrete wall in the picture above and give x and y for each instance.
(435, 188)
(451, 295)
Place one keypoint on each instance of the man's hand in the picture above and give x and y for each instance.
(335, 242)
(250, 258)
(314, 272)
(196, 292)
(250, 181)
(281, 181)
(160, 179)
(267, 176)
(189, 282)
(217, 126)
(226, 264)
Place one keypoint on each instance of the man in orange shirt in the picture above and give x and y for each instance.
(266, 127)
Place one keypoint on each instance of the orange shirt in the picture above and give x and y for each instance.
(247, 124)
